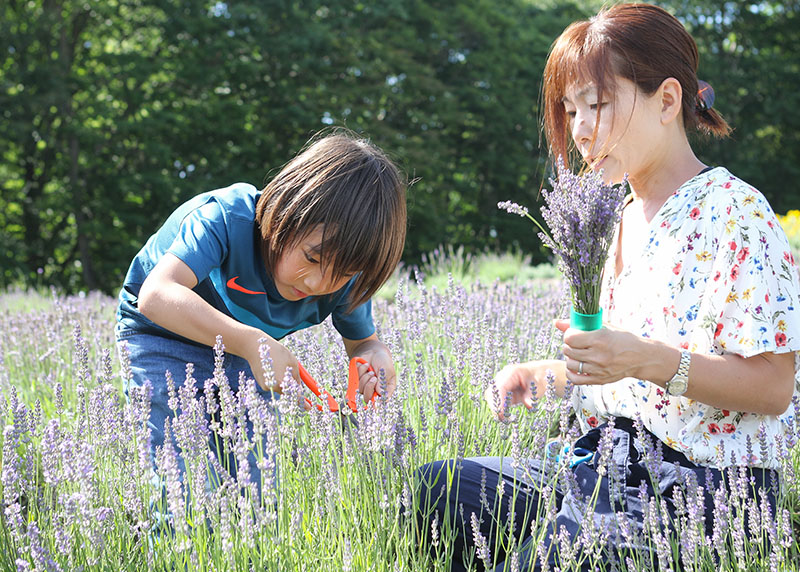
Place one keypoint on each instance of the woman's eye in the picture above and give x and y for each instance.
(596, 106)
(571, 114)
(311, 259)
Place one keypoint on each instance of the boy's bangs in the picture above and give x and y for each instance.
(347, 251)
(365, 238)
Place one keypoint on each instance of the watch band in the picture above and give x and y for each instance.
(683, 367)
(680, 381)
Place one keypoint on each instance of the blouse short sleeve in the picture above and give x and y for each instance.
(754, 282)
(715, 276)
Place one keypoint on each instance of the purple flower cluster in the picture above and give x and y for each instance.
(76, 486)
(580, 213)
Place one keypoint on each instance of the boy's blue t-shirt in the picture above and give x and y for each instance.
(216, 235)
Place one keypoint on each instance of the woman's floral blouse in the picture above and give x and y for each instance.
(716, 276)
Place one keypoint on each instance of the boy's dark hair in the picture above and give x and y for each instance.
(349, 186)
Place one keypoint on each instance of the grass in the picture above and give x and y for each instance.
(75, 485)
(450, 264)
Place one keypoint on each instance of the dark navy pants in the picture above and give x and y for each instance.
(476, 482)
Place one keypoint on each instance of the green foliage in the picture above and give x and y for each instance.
(748, 53)
(114, 112)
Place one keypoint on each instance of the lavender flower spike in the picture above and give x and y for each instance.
(581, 213)
(513, 208)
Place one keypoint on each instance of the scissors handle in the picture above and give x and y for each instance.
(352, 383)
(352, 387)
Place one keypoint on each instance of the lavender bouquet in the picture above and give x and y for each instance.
(581, 212)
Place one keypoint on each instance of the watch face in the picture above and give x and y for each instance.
(677, 386)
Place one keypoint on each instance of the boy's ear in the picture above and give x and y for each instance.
(671, 99)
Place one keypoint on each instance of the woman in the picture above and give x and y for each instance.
(700, 296)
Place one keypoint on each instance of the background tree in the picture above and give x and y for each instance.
(114, 111)
(749, 54)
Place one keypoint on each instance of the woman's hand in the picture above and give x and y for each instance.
(607, 355)
(513, 380)
(517, 381)
(602, 356)
(761, 384)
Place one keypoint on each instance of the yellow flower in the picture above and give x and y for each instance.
(781, 325)
(791, 225)
(791, 222)
(746, 294)
(732, 297)
(758, 214)
(730, 226)
(704, 256)
(748, 199)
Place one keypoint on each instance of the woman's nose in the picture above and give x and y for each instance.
(582, 130)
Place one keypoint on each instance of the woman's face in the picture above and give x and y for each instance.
(627, 134)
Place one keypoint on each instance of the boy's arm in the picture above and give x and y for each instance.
(167, 298)
(379, 357)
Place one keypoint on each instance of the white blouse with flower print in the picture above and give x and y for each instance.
(716, 276)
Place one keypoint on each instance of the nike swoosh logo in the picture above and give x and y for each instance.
(234, 286)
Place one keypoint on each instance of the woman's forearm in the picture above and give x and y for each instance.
(763, 383)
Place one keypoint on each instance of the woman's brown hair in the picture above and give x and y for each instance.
(639, 42)
(350, 187)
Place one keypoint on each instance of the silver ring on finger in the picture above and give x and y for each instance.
(580, 368)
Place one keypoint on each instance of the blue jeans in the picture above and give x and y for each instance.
(151, 356)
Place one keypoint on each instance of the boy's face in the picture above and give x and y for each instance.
(298, 273)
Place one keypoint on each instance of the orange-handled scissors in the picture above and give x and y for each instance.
(352, 387)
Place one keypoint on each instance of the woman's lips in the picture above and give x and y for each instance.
(595, 163)
(299, 293)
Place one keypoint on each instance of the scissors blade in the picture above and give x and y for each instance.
(312, 384)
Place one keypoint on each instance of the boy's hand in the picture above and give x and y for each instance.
(282, 359)
(369, 382)
(377, 355)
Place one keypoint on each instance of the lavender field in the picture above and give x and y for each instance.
(77, 490)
